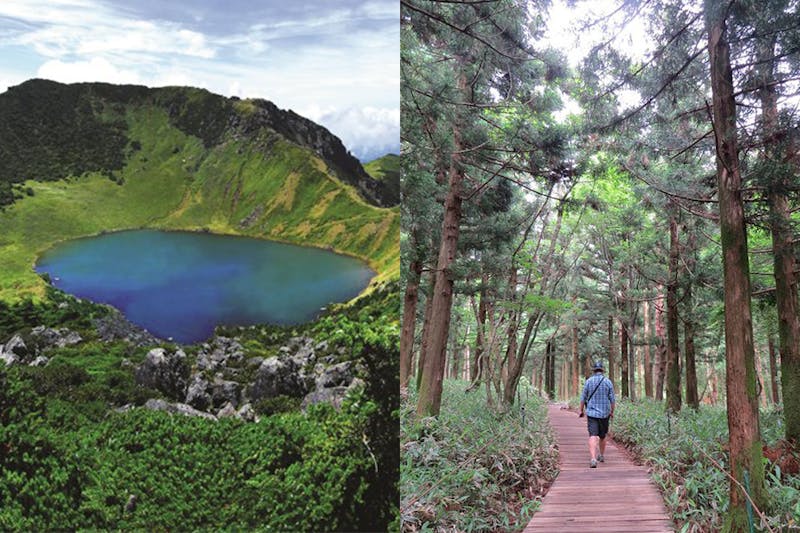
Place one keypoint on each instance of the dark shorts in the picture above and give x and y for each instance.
(598, 427)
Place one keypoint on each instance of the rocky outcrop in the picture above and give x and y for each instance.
(14, 351)
(286, 374)
(225, 392)
(298, 373)
(47, 338)
(332, 395)
(165, 372)
(221, 352)
(177, 408)
(39, 361)
(277, 377)
(30, 348)
(114, 326)
(197, 394)
(340, 374)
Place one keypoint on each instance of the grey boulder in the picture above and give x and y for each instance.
(166, 372)
(197, 394)
(177, 408)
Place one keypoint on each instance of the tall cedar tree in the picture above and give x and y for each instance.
(740, 372)
(478, 47)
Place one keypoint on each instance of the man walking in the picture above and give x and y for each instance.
(598, 401)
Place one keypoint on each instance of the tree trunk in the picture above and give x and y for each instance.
(713, 385)
(673, 344)
(587, 367)
(788, 319)
(480, 332)
(623, 358)
(409, 320)
(430, 388)
(740, 380)
(426, 328)
(762, 392)
(782, 248)
(612, 349)
(458, 353)
(773, 368)
(513, 370)
(550, 370)
(691, 371)
(648, 365)
(466, 356)
(692, 399)
(575, 363)
(661, 335)
(632, 359)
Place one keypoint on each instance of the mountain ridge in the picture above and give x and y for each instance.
(148, 172)
(29, 110)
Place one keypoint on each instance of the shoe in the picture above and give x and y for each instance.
(601, 458)
(592, 464)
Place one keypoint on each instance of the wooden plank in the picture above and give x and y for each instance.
(617, 496)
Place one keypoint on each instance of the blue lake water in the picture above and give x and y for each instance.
(182, 284)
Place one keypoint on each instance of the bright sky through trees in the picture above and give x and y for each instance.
(568, 30)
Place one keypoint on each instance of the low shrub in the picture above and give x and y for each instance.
(149, 470)
(473, 468)
(678, 447)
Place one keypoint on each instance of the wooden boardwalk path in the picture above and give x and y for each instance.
(616, 496)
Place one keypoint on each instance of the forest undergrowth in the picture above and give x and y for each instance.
(474, 468)
(681, 450)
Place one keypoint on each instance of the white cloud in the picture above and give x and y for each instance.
(9, 81)
(380, 10)
(117, 36)
(68, 12)
(367, 132)
(235, 89)
(95, 69)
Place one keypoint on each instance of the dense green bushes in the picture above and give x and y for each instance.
(297, 471)
(472, 469)
(49, 131)
(69, 460)
(678, 448)
(57, 310)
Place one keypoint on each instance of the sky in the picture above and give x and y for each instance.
(336, 62)
(564, 33)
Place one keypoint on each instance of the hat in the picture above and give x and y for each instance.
(598, 365)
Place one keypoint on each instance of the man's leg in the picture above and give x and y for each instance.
(593, 442)
(594, 438)
(603, 423)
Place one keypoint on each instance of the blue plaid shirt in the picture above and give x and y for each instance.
(602, 400)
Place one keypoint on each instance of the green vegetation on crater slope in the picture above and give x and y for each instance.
(386, 167)
(260, 185)
(387, 170)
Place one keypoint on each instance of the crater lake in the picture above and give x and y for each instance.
(181, 285)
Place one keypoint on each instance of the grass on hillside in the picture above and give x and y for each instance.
(383, 167)
(695, 491)
(473, 469)
(386, 169)
(171, 181)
